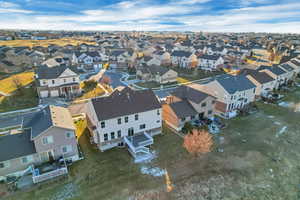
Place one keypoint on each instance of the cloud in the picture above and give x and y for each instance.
(174, 15)
(9, 7)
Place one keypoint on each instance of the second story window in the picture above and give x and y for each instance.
(119, 133)
(158, 112)
(203, 104)
(105, 137)
(119, 121)
(47, 140)
(126, 119)
(65, 80)
(112, 135)
(70, 135)
(136, 117)
(74, 79)
(53, 81)
(102, 124)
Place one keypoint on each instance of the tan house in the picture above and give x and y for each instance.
(186, 104)
(159, 74)
(46, 135)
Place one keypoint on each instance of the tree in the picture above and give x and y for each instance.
(198, 142)
(105, 80)
(187, 128)
(89, 85)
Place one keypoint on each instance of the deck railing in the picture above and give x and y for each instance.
(49, 175)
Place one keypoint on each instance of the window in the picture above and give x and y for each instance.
(53, 81)
(44, 82)
(158, 121)
(203, 104)
(136, 117)
(47, 140)
(102, 124)
(70, 135)
(183, 119)
(158, 112)
(65, 80)
(192, 117)
(119, 133)
(74, 79)
(105, 137)
(2, 165)
(254, 90)
(27, 159)
(126, 119)
(142, 126)
(213, 102)
(130, 131)
(67, 149)
(119, 121)
(112, 135)
(209, 112)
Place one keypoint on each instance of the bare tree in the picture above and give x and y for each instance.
(105, 80)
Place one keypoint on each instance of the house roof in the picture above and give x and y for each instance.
(16, 146)
(183, 109)
(286, 67)
(45, 72)
(274, 69)
(49, 116)
(181, 53)
(154, 69)
(236, 83)
(189, 93)
(295, 62)
(125, 102)
(261, 77)
(209, 57)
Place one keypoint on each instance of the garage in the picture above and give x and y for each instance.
(54, 93)
(44, 94)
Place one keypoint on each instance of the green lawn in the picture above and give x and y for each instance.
(192, 75)
(260, 161)
(19, 100)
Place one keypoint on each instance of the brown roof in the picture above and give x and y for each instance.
(125, 102)
(189, 93)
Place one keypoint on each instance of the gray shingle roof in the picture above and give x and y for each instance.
(183, 109)
(125, 102)
(233, 84)
(45, 72)
(191, 94)
(181, 54)
(38, 121)
(286, 67)
(274, 69)
(16, 146)
(261, 77)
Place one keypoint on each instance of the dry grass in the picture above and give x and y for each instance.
(46, 43)
(182, 80)
(8, 85)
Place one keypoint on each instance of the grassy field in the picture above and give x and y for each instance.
(259, 161)
(27, 98)
(8, 85)
(46, 43)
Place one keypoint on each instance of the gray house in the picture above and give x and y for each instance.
(29, 140)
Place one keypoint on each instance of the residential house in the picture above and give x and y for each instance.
(183, 59)
(231, 92)
(264, 82)
(277, 73)
(56, 61)
(29, 140)
(185, 105)
(158, 74)
(59, 81)
(125, 118)
(209, 62)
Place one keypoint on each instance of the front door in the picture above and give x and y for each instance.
(130, 132)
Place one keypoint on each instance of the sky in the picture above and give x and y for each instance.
(278, 16)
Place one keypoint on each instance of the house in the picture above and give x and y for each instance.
(87, 58)
(29, 140)
(185, 105)
(125, 118)
(56, 61)
(183, 59)
(290, 72)
(158, 74)
(209, 62)
(295, 64)
(59, 81)
(276, 73)
(232, 93)
(264, 82)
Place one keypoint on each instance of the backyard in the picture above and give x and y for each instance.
(255, 157)
(10, 84)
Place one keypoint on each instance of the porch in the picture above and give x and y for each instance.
(137, 146)
(69, 90)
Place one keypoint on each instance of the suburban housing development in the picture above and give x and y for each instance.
(80, 107)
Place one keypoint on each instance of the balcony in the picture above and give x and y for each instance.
(48, 171)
